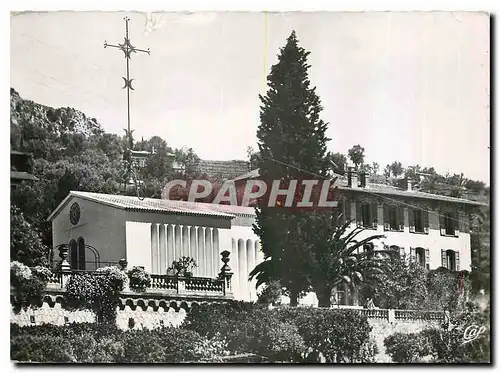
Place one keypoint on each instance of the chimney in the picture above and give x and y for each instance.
(352, 178)
(409, 185)
(362, 179)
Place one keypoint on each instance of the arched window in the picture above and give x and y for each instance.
(81, 253)
(73, 254)
(399, 250)
(420, 256)
(451, 260)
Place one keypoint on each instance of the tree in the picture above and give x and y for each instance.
(252, 156)
(188, 159)
(396, 169)
(357, 155)
(25, 243)
(341, 258)
(292, 143)
(375, 168)
(339, 162)
(404, 287)
(387, 171)
(364, 167)
(412, 172)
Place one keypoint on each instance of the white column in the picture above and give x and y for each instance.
(154, 248)
(233, 263)
(250, 267)
(170, 245)
(209, 263)
(193, 246)
(185, 241)
(162, 267)
(242, 269)
(201, 252)
(177, 242)
(216, 252)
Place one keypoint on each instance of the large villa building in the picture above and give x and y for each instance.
(101, 229)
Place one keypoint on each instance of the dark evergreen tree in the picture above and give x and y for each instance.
(292, 145)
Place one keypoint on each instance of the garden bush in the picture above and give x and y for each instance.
(339, 335)
(92, 343)
(286, 333)
(407, 348)
(29, 284)
(444, 344)
(139, 279)
(99, 292)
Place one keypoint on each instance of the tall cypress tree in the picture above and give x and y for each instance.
(292, 144)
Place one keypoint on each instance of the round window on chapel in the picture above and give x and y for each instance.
(74, 213)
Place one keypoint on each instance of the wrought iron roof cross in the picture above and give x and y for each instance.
(127, 48)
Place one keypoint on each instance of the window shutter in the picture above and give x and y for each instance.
(425, 216)
(442, 227)
(386, 218)
(444, 262)
(427, 259)
(401, 218)
(374, 214)
(411, 220)
(456, 224)
(457, 260)
(413, 257)
(359, 219)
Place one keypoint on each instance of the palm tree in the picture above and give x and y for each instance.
(342, 259)
(333, 257)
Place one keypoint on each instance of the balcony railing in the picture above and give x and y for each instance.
(160, 284)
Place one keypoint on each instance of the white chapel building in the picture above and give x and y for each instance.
(101, 229)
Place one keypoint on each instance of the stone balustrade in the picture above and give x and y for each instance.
(219, 287)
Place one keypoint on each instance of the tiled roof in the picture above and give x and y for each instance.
(224, 169)
(383, 189)
(163, 206)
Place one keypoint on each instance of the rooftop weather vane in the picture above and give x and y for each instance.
(133, 158)
(127, 48)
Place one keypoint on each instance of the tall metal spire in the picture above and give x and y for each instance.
(127, 48)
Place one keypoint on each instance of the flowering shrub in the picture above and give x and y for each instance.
(182, 267)
(337, 335)
(140, 280)
(407, 348)
(445, 344)
(29, 285)
(90, 343)
(99, 292)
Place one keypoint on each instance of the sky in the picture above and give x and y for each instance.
(409, 87)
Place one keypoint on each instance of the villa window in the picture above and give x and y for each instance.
(418, 220)
(450, 260)
(366, 215)
(77, 254)
(73, 254)
(81, 254)
(393, 218)
(345, 210)
(448, 223)
(398, 249)
(420, 256)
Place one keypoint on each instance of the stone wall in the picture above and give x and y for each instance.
(142, 316)
(383, 328)
(150, 314)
